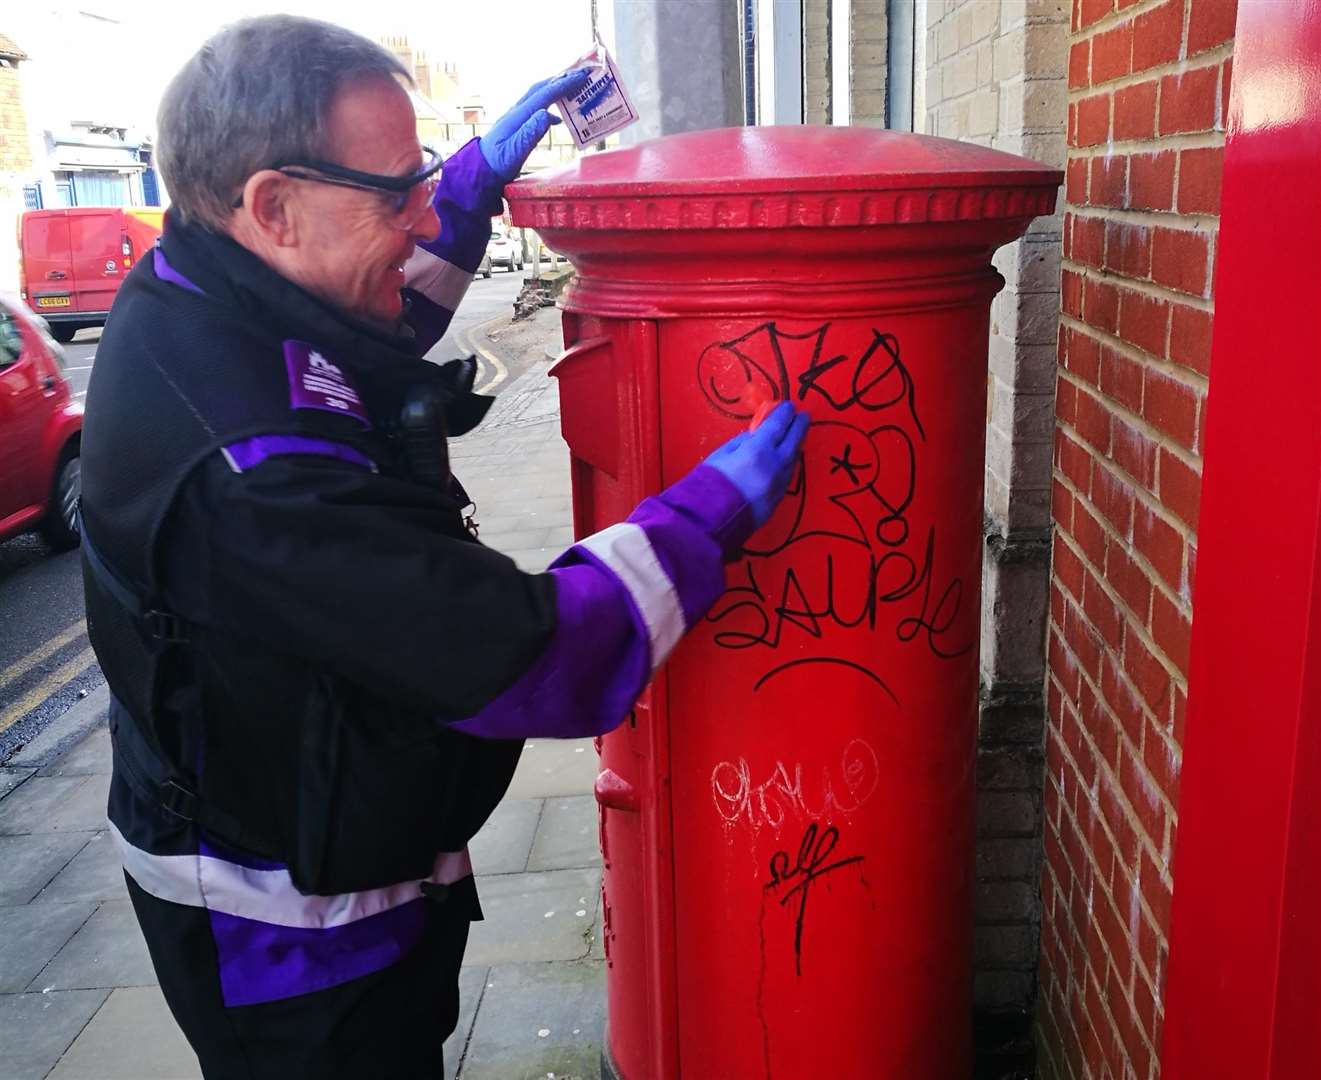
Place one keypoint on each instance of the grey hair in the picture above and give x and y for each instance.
(256, 94)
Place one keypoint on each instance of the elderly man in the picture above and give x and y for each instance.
(320, 679)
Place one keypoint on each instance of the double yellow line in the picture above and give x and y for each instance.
(63, 674)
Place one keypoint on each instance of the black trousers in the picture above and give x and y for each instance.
(389, 1025)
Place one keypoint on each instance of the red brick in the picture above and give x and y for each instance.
(1179, 260)
(1144, 795)
(1160, 544)
(1113, 499)
(1087, 646)
(1180, 487)
(1083, 357)
(1071, 292)
(1071, 131)
(1061, 506)
(1101, 305)
(1100, 609)
(1112, 53)
(1210, 23)
(1075, 462)
(1188, 101)
(1066, 402)
(1128, 581)
(1089, 240)
(1179, 715)
(1200, 174)
(1157, 895)
(1117, 819)
(1094, 120)
(1067, 567)
(1109, 181)
(1134, 453)
(1143, 321)
(1066, 671)
(1090, 11)
(1148, 673)
(1190, 338)
(1151, 180)
(1079, 59)
(1127, 248)
(1157, 35)
(1089, 533)
(1226, 75)
(1093, 421)
(1135, 111)
(1172, 630)
(1170, 406)
(1121, 379)
(1075, 181)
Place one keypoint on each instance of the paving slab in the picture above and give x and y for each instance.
(552, 768)
(537, 1021)
(31, 861)
(505, 841)
(38, 1027)
(567, 835)
(31, 935)
(546, 916)
(106, 952)
(11, 778)
(132, 1037)
(94, 874)
(51, 804)
(89, 756)
(472, 981)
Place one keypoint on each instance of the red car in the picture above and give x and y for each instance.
(41, 423)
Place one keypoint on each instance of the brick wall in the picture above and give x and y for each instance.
(995, 75)
(868, 37)
(816, 61)
(1148, 85)
(15, 153)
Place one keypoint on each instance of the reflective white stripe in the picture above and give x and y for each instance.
(439, 281)
(269, 896)
(625, 549)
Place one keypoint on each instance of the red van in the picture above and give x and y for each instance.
(73, 260)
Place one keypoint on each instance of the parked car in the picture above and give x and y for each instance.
(41, 423)
(72, 261)
(505, 250)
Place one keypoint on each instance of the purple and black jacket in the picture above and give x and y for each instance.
(237, 462)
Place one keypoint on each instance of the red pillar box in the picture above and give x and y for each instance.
(787, 817)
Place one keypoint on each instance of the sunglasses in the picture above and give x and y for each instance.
(407, 196)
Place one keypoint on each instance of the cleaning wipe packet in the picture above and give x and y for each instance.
(601, 107)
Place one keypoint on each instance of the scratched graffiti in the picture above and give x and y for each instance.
(784, 794)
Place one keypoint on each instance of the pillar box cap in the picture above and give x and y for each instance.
(858, 197)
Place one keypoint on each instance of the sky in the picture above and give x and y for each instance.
(501, 46)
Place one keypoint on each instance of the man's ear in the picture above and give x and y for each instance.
(268, 202)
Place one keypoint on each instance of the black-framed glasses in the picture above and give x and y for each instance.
(408, 196)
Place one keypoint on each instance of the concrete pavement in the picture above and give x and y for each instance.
(78, 997)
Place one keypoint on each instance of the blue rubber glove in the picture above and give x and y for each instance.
(760, 463)
(512, 138)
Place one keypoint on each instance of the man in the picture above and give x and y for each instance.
(320, 679)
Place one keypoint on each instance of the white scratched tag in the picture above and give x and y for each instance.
(601, 107)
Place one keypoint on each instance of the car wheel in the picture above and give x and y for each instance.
(63, 332)
(60, 528)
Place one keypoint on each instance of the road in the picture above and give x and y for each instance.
(46, 663)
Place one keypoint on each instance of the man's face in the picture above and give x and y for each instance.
(350, 252)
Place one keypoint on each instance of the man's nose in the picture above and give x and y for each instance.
(427, 227)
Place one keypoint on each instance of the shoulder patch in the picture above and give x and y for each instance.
(316, 383)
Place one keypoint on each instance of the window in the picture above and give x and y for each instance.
(11, 340)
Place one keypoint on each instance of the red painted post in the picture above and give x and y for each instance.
(787, 821)
(1245, 953)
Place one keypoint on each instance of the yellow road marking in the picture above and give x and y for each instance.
(21, 667)
(63, 674)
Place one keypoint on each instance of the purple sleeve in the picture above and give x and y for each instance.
(624, 597)
(438, 274)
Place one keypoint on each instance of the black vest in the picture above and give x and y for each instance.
(273, 754)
